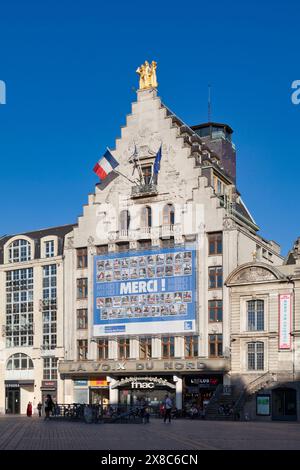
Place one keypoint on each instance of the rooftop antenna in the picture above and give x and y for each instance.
(209, 103)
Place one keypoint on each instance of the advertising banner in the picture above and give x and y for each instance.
(145, 292)
(285, 317)
(263, 405)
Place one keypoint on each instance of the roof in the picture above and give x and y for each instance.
(36, 235)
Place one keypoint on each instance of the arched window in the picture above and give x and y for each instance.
(168, 214)
(124, 220)
(19, 250)
(256, 356)
(19, 361)
(255, 315)
(146, 217)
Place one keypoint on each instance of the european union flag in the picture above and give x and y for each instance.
(157, 162)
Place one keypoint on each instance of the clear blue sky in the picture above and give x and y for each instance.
(69, 67)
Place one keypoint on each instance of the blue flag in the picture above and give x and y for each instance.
(157, 162)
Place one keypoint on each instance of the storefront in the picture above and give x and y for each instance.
(49, 387)
(18, 393)
(152, 390)
(99, 392)
(198, 389)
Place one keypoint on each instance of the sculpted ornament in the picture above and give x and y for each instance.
(255, 274)
(147, 75)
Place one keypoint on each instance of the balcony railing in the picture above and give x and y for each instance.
(144, 190)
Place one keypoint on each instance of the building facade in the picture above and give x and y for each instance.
(127, 340)
(265, 337)
(31, 343)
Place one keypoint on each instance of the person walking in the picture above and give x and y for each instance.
(29, 409)
(168, 408)
(48, 406)
(39, 407)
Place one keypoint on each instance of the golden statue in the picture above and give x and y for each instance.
(147, 75)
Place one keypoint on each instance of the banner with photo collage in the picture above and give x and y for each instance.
(145, 292)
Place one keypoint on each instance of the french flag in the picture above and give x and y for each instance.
(105, 165)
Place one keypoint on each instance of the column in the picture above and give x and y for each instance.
(178, 381)
(113, 392)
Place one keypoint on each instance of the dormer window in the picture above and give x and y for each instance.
(147, 174)
(19, 250)
(49, 249)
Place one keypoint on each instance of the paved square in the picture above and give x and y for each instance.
(22, 433)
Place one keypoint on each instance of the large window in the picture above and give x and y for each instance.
(124, 220)
(215, 345)
(255, 315)
(102, 349)
(19, 308)
(82, 258)
(167, 347)
(147, 173)
(215, 310)
(123, 348)
(49, 249)
(256, 356)
(145, 348)
(191, 346)
(168, 214)
(215, 275)
(50, 368)
(19, 250)
(82, 319)
(146, 217)
(215, 243)
(82, 349)
(82, 288)
(19, 361)
(49, 307)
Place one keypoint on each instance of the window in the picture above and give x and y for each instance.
(82, 349)
(102, 349)
(146, 348)
(147, 173)
(82, 288)
(191, 346)
(102, 249)
(49, 307)
(82, 259)
(19, 308)
(144, 245)
(167, 347)
(215, 243)
(215, 277)
(215, 344)
(124, 220)
(168, 214)
(82, 319)
(255, 315)
(169, 243)
(218, 186)
(146, 217)
(215, 310)
(256, 356)
(50, 368)
(49, 249)
(19, 361)
(123, 348)
(123, 246)
(19, 250)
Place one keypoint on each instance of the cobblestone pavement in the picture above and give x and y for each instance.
(22, 433)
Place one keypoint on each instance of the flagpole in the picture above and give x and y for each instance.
(142, 179)
(124, 176)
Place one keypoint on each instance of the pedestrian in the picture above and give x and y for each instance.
(29, 409)
(39, 407)
(48, 406)
(168, 408)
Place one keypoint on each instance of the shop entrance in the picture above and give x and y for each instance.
(13, 401)
(99, 396)
(284, 406)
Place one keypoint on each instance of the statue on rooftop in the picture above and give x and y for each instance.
(147, 75)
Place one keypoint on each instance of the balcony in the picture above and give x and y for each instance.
(143, 190)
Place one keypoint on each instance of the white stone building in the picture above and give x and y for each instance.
(193, 203)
